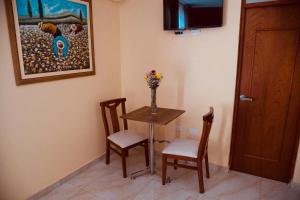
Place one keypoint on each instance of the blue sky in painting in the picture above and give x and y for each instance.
(51, 7)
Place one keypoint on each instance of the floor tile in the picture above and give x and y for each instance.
(106, 182)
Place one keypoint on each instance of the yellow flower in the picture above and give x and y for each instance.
(145, 77)
(158, 75)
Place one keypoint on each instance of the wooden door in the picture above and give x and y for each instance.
(267, 107)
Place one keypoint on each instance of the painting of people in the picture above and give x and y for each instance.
(53, 37)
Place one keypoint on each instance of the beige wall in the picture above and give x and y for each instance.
(296, 178)
(48, 130)
(199, 71)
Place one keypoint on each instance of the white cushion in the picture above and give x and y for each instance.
(126, 138)
(182, 147)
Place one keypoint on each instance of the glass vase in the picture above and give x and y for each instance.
(153, 101)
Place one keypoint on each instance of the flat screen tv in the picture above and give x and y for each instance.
(192, 14)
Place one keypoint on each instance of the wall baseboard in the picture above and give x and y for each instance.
(53, 186)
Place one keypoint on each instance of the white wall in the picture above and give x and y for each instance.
(48, 130)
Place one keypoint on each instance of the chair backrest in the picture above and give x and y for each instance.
(207, 123)
(112, 105)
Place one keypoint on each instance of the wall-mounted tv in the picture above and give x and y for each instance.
(192, 14)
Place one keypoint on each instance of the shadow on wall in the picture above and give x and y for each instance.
(180, 77)
(219, 143)
(170, 131)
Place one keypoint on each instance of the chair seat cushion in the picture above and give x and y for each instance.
(126, 138)
(182, 147)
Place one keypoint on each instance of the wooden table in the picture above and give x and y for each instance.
(162, 117)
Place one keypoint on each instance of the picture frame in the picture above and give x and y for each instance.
(50, 39)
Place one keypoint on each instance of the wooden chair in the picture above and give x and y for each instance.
(120, 141)
(189, 150)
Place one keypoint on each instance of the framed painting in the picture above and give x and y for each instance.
(50, 39)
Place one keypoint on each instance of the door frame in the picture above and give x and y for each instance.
(244, 7)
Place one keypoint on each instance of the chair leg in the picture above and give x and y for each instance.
(207, 165)
(200, 177)
(146, 153)
(164, 169)
(175, 163)
(107, 154)
(127, 153)
(124, 163)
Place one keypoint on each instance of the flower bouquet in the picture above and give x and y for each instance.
(153, 79)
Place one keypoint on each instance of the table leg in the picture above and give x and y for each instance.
(151, 168)
(151, 141)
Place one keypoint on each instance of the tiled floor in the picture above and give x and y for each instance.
(102, 182)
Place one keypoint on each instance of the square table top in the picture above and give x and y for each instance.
(162, 117)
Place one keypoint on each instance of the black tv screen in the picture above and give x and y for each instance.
(192, 14)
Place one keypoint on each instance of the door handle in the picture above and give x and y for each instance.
(246, 98)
